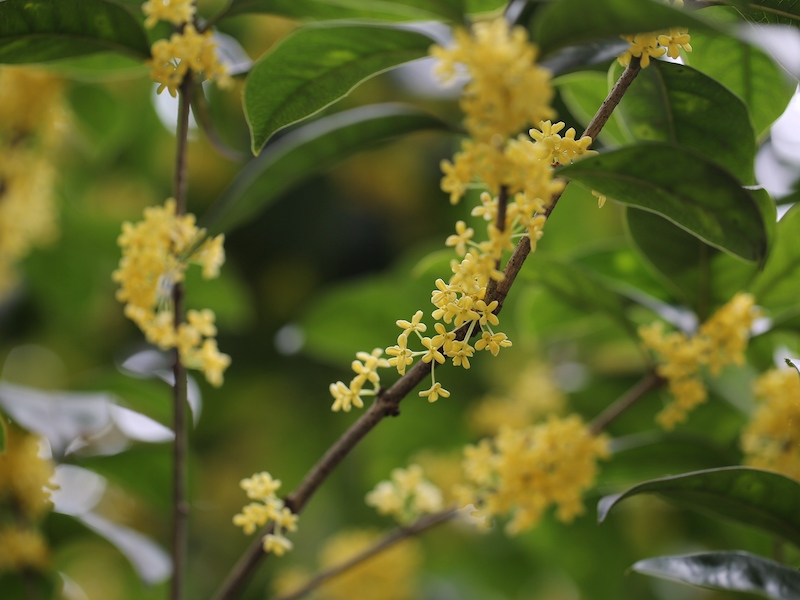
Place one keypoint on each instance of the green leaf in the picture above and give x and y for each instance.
(747, 72)
(699, 275)
(778, 286)
(761, 499)
(580, 288)
(683, 186)
(385, 10)
(558, 26)
(776, 12)
(42, 30)
(729, 571)
(668, 102)
(309, 150)
(313, 67)
(583, 92)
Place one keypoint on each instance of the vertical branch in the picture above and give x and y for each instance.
(180, 507)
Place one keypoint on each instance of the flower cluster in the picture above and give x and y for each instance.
(719, 342)
(155, 255)
(25, 486)
(188, 50)
(521, 471)
(507, 91)
(261, 487)
(771, 440)
(645, 46)
(366, 368)
(407, 496)
(391, 574)
(32, 125)
(176, 12)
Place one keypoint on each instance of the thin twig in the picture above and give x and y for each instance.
(180, 507)
(387, 402)
(392, 538)
(649, 382)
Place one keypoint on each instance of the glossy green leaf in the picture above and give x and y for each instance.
(668, 102)
(583, 93)
(778, 286)
(307, 151)
(42, 30)
(579, 288)
(683, 186)
(386, 10)
(314, 67)
(699, 275)
(761, 499)
(747, 72)
(728, 571)
(777, 12)
(558, 26)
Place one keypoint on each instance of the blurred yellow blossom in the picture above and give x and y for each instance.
(771, 440)
(262, 488)
(406, 496)
(155, 255)
(521, 471)
(720, 341)
(26, 477)
(535, 394)
(22, 549)
(33, 122)
(186, 51)
(176, 12)
(507, 89)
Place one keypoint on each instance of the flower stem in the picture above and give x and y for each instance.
(180, 506)
(392, 538)
(649, 382)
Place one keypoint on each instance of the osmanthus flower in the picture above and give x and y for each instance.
(645, 46)
(771, 439)
(366, 368)
(26, 481)
(520, 472)
(155, 255)
(176, 12)
(406, 496)
(33, 123)
(267, 508)
(183, 52)
(720, 341)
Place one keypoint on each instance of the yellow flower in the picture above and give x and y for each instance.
(155, 254)
(407, 496)
(520, 472)
(721, 340)
(186, 51)
(656, 44)
(25, 477)
(176, 12)
(771, 440)
(262, 487)
(507, 89)
(22, 549)
(433, 393)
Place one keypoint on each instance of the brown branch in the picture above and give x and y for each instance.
(387, 402)
(394, 537)
(649, 382)
(180, 506)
